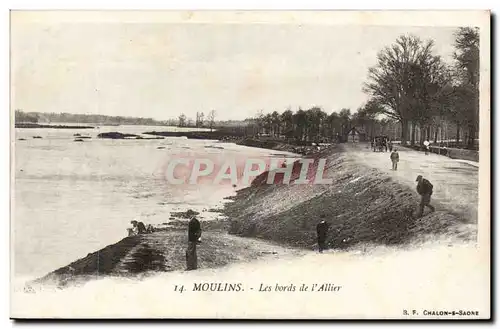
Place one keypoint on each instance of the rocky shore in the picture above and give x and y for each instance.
(118, 135)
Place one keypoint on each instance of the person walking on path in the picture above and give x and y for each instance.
(194, 237)
(390, 145)
(424, 188)
(426, 146)
(322, 230)
(395, 159)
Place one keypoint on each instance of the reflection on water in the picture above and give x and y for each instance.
(72, 198)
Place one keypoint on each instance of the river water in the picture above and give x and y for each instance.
(72, 198)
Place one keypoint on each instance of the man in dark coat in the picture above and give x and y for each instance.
(424, 188)
(194, 237)
(395, 159)
(322, 230)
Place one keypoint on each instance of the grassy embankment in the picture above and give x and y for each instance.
(363, 205)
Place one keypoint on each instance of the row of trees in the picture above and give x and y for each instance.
(415, 87)
(200, 122)
(39, 117)
(23, 117)
(412, 92)
(316, 125)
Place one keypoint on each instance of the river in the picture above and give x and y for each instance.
(72, 198)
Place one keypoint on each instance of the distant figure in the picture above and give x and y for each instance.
(389, 143)
(322, 230)
(395, 159)
(424, 188)
(426, 146)
(385, 143)
(138, 227)
(133, 230)
(194, 237)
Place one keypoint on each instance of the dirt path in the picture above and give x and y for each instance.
(455, 181)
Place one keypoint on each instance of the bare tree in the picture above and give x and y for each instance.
(182, 120)
(407, 79)
(301, 124)
(211, 119)
(345, 119)
(276, 123)
(287, 122)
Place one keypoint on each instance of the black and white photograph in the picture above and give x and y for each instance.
(250, 164)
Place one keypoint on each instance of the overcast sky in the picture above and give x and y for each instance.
(161, 70)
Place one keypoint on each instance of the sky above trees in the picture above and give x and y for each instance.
(162, 70)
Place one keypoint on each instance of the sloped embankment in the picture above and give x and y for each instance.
(362, 205)
(163, 251)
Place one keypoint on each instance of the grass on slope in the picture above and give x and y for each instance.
(362, 205)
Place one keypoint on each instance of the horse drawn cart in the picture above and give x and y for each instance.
(379, 144)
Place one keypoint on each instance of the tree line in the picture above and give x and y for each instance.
(417, 89)
(40, 117)
(22, 117)
(411, 90)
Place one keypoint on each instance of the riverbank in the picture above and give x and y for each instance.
(278, 145)
(210, 135)
(239, 139)
(163, 251)
(366, 205)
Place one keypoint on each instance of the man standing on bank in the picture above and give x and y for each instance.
(424, 188)
(322, 230)
(194, 237)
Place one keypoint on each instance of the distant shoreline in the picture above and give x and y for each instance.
(37, 125)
